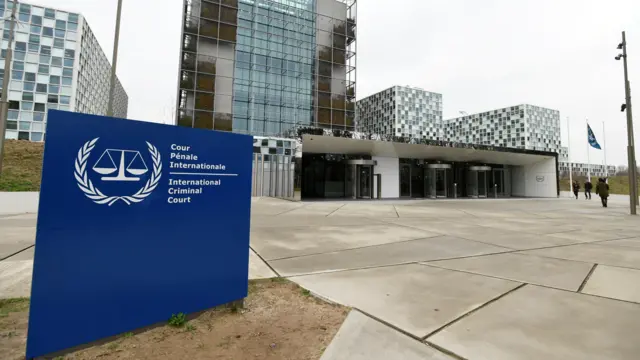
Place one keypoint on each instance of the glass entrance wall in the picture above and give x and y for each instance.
(328, 176)
(478, 180)
(439, 180)
(365, 181)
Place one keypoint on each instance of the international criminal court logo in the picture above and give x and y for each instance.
(117, 166)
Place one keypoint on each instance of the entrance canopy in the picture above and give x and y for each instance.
(339, 145)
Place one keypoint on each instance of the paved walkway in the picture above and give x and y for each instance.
(459, 279)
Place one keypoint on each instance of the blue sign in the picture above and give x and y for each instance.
(137, 221)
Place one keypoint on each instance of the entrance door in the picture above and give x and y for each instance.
(405, 180)
(441, 183)
(498, 179)
(365, 187)
(482, 183)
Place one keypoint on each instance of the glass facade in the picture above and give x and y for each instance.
(263, 67)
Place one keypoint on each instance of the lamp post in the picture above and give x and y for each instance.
(112, 88)
(631, 155)
(4, 101)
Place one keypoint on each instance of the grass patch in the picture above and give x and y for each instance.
(13, 305)
(22, 166)
(177, 320)
(617, 184)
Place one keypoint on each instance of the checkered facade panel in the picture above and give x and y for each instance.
(523, 126)
(401, 111)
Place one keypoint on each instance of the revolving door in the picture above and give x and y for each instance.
(478, 178)
(437, 179)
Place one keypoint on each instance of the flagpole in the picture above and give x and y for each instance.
(588, 158)
(604, 149)
(569, 155)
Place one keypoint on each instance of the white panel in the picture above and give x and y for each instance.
(31, 68)
(12, 135)
(57, 52)
(518, 181)
(22, 37)
(33, 58)
(389, 169)
(37, 11)
(43, 79)
(65, 90)
(49, 23)
(41, 98)
(46, 41)
(15, 85)
(541, 179)
(54, 70)
(15, 95)
(61, 15)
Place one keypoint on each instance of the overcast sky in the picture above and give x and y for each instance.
(481, 55)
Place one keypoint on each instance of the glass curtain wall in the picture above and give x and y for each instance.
(264, 66)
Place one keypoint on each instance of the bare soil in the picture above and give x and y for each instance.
(279, 321)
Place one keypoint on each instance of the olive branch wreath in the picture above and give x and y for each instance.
(93, 193)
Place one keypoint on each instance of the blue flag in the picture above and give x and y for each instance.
(592, 138)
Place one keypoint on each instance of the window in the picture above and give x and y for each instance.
(28, 96)
(13, 114)
(69, 53)
(36, 136)
(21, 46)
(41, 88)
(25, 126)
(25, 9)
(68, 62)
(58, 43)
(66, 81)
(38, 107)
(67, 72)
(29, 86)
(59, 33)
(47, 31)
(27, 105)
(54, 89)
(19, 56)
(61, 24)
(52, 99)
(56, 61)
(65, 99)
(16, 75)
(38, 116)
(18, 65)
(34, 39)
(43, 69)
(24, 17)
(35, 29)
(30, 76)
(36, 20)
(54, 80)
(49, 13)
(73, 18)
(45, 50)
(72, 26)
(34, 48)
(45, 59)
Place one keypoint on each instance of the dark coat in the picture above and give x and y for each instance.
(588, 186)
(576, 187)
(602, 189)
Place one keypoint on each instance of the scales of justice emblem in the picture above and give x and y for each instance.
(117, 165)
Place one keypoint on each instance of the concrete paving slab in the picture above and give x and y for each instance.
(415, 298)
(363, 338)
(267, 208)
(632, 242)
(258, 269)
(289, 221)
(22, 255)
(366, 210)
(439, 226)
(7, 250)
(541, 323)
(315, 209)
(594, 253)
(585, 236)
(426, 212)
(511, 239)
(614, 282)
(442, 247)
(562, 274)
(277, 243)
(17, 234)
(15, 278)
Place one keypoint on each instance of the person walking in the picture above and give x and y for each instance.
(602, 189)
(576, 188)
(587, 189)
